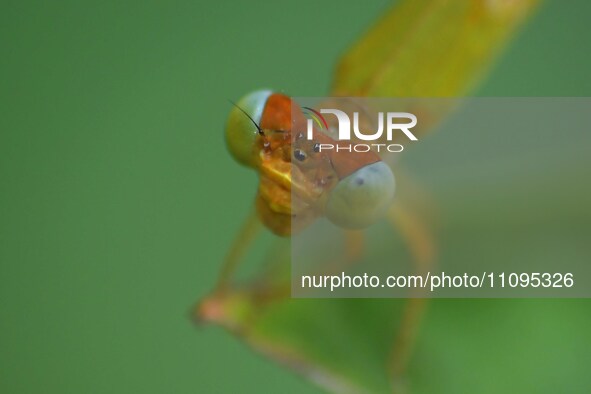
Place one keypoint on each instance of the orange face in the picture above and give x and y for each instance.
(296, 179)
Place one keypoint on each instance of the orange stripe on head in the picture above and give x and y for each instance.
(277, 114)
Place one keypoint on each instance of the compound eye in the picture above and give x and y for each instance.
(361, 198)
(241, 132)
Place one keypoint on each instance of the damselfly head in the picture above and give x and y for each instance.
(298, 181)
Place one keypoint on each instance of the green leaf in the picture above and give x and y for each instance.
(429, 48)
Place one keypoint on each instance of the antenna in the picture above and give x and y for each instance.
(249, 117)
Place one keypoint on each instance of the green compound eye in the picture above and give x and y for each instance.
(363, 197)
(241, 133)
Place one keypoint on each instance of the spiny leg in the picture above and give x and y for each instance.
(211, 308)
(251, 227)
(422, 248)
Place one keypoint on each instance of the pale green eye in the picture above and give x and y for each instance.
(241, 132)
(360, 199)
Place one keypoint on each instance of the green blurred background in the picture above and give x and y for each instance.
(118, 199)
